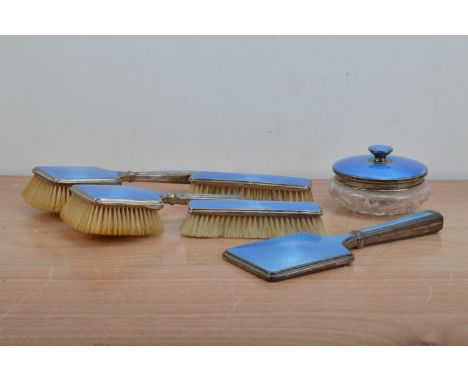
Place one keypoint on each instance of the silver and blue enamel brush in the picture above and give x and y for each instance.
(49, 188)
(302, 253)
(251, 219)
(252, 186)
(121, 210)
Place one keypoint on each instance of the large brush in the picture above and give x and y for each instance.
(120, 210)
(248, 219)
(48, 190)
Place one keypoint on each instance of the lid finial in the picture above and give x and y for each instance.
(380, 152)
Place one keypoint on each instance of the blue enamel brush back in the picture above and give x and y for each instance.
(253, 205)
(98, 192)
(241, 177)
(78, 172)
(291, 251)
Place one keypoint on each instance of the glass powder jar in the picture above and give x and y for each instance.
(379, 184)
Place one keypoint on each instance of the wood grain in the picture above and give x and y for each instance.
(58, 286)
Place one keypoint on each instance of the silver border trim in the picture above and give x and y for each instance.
(255, 212)
(152, 204)
(251, 184)
(39, 172)
(288, 273)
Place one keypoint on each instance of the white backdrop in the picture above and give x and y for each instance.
(279, 105)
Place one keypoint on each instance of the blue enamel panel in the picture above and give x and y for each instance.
(291, 251)
(96, 191)
(253, 205)
(391, 168)
(78, 172)
(391, 223)
(259, 178)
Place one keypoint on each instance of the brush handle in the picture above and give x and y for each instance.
(422, 223)
(179, 177)
(185, 197)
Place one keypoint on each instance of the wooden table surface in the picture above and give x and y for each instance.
(58, 286)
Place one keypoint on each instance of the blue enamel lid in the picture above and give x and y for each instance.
(380, 166)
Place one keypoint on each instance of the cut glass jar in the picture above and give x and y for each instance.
(380, 184)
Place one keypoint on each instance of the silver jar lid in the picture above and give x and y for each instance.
(380, 171)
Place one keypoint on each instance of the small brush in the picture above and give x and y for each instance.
(252, 186)
(247, 219)
(121, 210)
(48, 190)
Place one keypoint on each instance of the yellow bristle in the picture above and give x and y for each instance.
(96, 219)
(45, 195)
(249, 227)
(253, 193)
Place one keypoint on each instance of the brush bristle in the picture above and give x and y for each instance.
(249, 227)
(95, 219)
(45, 195)
(253, 193)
